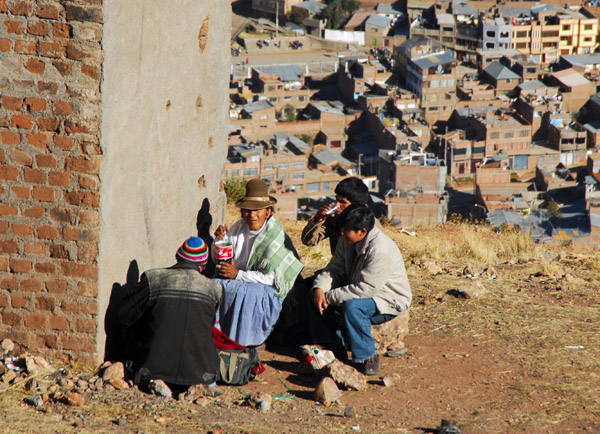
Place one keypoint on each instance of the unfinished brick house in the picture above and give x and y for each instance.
(95, 160)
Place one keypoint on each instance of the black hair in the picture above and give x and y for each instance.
(353, 189)
(356, 217)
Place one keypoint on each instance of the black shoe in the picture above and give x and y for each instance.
(371, 365)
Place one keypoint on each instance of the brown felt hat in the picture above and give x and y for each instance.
(257, 196)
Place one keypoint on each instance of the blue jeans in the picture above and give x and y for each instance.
(359, 315)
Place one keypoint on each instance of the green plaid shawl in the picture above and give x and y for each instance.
(273, 251)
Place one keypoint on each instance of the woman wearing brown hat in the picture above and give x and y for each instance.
(263, 271)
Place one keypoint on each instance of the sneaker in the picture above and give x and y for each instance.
(371, 365)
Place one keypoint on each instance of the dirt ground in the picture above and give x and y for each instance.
(523, 358)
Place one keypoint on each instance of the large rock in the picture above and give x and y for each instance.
(113, 372)
(473, 290)
(327, 392)
(346, 376)
(389, 335)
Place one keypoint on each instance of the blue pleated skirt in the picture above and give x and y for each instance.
(248, 311)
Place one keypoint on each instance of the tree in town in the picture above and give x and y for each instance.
(337, 12)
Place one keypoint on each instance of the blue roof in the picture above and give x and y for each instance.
(312, 6)
(257, 105)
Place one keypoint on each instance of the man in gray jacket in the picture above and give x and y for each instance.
(366, 279)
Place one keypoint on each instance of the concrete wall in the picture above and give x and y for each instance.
(164, 130)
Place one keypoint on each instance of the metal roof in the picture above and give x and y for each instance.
(312, 6)
(284, 72)
(570, 77)
(257, 105)
(326, 109)
(388, 9)
(378, 21)
(531, 84)
(434, 60)
(328, 157)
(582, 60)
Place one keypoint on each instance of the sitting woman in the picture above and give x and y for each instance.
(263, 270)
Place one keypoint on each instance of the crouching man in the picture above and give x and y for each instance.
(366, 279)
(169, 315)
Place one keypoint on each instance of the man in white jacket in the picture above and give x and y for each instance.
(366, 279)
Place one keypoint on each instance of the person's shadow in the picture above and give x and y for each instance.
(116, 338)
(203, 223)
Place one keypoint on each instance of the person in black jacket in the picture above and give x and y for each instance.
(170, 314)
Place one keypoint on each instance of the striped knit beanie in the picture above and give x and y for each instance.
(194, 249)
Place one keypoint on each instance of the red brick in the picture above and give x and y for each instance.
(3, 263)
(87, 198)
(26, 46)
(63, 67)
(5, 45)
(56, 286)
(86, 271)
(62, 179)
(71, 233)
(22, 8)
(47, 87)
(61, 30)
(35, 321)
(52, 49)
(48, 124)
(87, 252)
(46, 161)
(59, 252)
(85, 325)
(2, 156)
(35, 66)
(35, 176)
(44, 267)
(21, 230)
(11, 319)
(3, 7)
(89, 182)
(81, 13)
(10, 138)
(74, 127)
(22, 193)
(4, 225)
(8, 209)
(12, 102)
(63, 142)
(22, 121)
(9, 172)
(37, 28)
(43, 194)
(91, 71)
(87, 289)
(47, 232)
(31, 285)
(9, 246)
(18, 301)
(13, 27)
(82, 164)
(90, 307)
(87, 217)
(78, 344)
(24, 85)
(21, 158)
(62, 108)
(34, 211)
(35, 104)
(4, 301)
(48, 11)
(45, 303)
(37, 140)
(17, 265)
(38, 249)
(58, 322)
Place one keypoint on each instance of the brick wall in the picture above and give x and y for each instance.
(50, 157)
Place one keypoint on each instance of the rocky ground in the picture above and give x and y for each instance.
(503, 338)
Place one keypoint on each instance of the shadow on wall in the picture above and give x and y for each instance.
(115, 332)
(121, 342)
